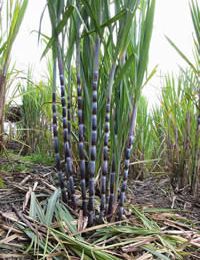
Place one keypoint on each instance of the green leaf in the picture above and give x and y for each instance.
(51, 207)
(58, 29)
(67, 14)
(183, 55)
(17, 18)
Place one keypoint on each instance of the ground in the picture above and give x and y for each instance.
(157, 192)
(154, 195)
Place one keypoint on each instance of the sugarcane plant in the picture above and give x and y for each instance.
(101, 51)
(194, 66)
(11, 17)
(175, 131)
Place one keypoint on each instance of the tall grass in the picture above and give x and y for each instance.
(176, 128)
(194, 66)
(11, 17)
(33, 130)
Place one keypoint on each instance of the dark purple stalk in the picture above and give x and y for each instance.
(127, 161)
(106, 141)
(112, 189)
(55, 137)
(81, 127)
(69, 105)
(67, 148)
(92, 163)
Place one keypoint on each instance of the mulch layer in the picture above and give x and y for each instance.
(148, 194)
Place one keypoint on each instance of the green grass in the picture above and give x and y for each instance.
(2, 184)
(22, 164)
(14, 167)
(39, 158)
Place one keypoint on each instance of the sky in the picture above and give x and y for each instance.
(172, 19)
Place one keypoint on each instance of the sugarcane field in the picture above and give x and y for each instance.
(100, 129)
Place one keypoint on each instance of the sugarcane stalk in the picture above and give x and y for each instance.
(112, 189)
(81, 126)
(69, 107)
(69, 114)
(92, 162)
(127, 161)
(106, 141)
(55, 137)
(67, 148)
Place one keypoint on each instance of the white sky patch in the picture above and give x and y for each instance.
(27, 51)
(172, 18)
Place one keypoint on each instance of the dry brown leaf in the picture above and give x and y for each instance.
(25, 180)
(8, 239)
(80, 221)
(12, 256)
(27, 198)
(51, 187)
(10, 229)
(133, 247)
(9, 215)
(35, 185)
(127, 257)
(146, 256)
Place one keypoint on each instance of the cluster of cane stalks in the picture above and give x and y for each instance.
(100, 56)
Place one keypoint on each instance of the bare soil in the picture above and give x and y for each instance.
(157, 192)
(154, 192)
